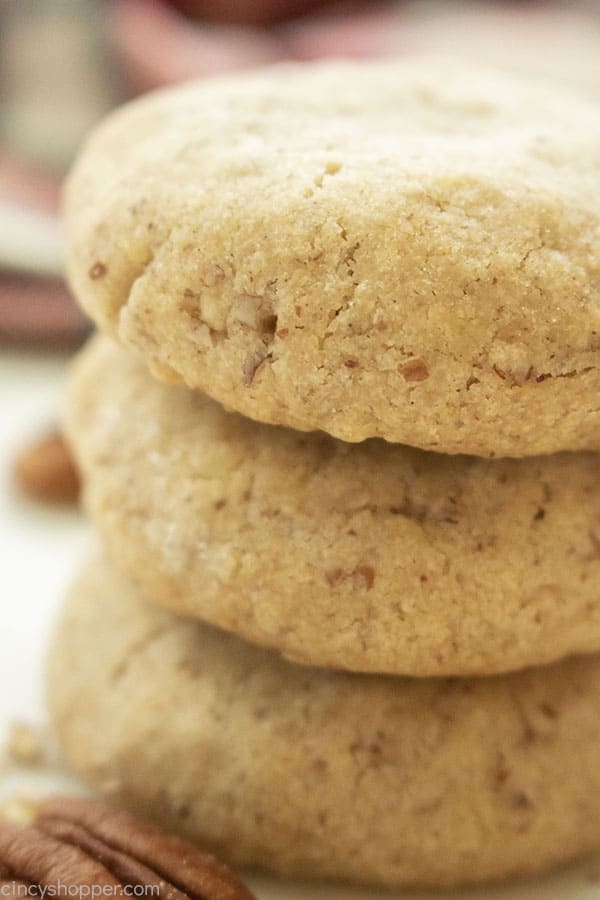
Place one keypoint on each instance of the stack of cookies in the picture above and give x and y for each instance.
(349, 275)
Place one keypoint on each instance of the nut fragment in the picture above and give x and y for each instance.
(45, 471)
(414, 370)
(252, 364)
(98, 270)
(76, 842)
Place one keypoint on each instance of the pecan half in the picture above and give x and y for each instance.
(76, 843)
(46, 472)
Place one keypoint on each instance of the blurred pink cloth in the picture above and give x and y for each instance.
(21, 183)
(159, 46)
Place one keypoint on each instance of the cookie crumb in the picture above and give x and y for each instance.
(25, 745)
(19, 809)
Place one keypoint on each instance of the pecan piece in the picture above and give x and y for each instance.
(414, 370)
(77, 842)
(252, 364)
(46, 472)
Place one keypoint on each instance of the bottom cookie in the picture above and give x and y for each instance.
(313, 773)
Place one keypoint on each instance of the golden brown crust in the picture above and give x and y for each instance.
(309, 773)
(405, 250)
(371, 557)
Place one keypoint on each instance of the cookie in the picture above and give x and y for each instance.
(310, 773)
(408, 250)
(370, 557)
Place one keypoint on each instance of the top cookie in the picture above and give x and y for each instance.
(405, 250)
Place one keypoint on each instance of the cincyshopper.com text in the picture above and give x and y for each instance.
(15, 889)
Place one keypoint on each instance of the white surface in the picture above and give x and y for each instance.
(39, 549)
(30, 240)
(38, 545)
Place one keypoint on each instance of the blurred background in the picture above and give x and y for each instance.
(65, 63)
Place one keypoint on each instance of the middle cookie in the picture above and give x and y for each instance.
(371, 557)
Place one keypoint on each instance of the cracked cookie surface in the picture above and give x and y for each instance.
(313, 773)
(370, 557)
(405, 250)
